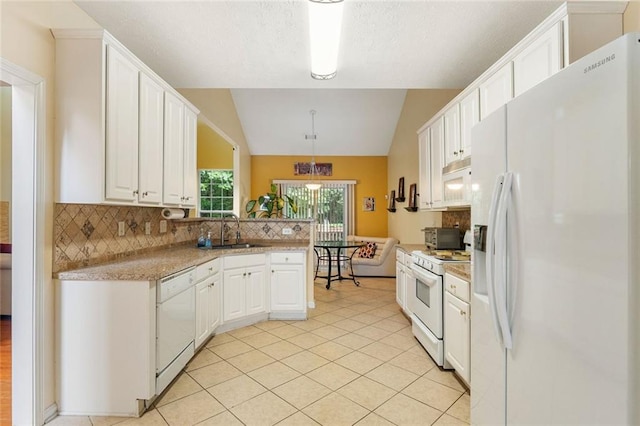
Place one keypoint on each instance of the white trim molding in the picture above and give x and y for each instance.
(28, 209)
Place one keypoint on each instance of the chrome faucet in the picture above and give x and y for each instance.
(237, 227)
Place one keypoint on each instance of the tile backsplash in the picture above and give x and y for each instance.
(86, 234)
(460, 217)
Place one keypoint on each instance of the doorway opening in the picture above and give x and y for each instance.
(27, 253)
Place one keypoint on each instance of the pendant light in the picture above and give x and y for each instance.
(312, 185)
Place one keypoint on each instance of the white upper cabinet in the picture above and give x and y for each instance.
(110, 124)
(538, 61)
(121, 128)
(469, 117)
(173, 149)
(437, 161)
(452, 134)
(190, 172)
(496, 91)
(431, 161)
(180, 174)
(151, 141)
(424, 166)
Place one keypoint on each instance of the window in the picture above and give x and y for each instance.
(331, 206)
(216, 192)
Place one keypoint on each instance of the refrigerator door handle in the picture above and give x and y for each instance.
(490, 254)
(500, 289)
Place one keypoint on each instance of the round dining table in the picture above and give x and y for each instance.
(333, 254)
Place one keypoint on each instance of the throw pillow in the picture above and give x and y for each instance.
(368, 251)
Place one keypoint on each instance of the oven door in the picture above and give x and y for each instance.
(427, 300)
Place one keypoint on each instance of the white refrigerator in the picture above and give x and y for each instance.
(555, 321)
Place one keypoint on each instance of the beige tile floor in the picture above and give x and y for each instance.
(354, 361)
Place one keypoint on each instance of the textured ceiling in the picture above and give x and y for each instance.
(395, 44)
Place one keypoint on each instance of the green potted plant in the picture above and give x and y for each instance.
(270, 205)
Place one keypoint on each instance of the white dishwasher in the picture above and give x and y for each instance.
(175, 325)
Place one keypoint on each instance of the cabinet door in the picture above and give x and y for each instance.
(190, 172)
(424, 167)
(469, 117)
(287, 288)
(400, 285)
(452, 134)
(234, 300)
(121, 166)
(538, 61)
(496, 91)
(437, 162)
(256, 290)
(151, 137)
(173, 150)
(215, 287)
(457, 334)
(202, 312)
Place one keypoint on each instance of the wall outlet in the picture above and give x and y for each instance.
(147, 228)
(287, 231)
(163, 226)
(120, 229)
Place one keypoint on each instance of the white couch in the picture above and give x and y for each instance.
(383, 263)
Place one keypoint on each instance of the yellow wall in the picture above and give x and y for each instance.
(370, 174)
(419, 106)
(214, 152)
(217, 106)
(632, 17)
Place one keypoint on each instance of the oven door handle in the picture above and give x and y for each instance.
(427, 277)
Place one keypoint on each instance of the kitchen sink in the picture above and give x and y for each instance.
(232, 246)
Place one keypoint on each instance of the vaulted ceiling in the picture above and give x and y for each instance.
(260, 50)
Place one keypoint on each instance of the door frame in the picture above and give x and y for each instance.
(28, 221)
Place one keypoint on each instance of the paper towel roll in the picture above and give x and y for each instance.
(172, 213)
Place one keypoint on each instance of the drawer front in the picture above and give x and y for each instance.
(288, 257)
(243, 260)
(207, 269)
(399, 256)
(457, 287)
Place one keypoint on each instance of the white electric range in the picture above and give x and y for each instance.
(426, 299)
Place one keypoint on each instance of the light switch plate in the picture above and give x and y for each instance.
(163, 226)
(120, 229)
(287, 231)
(147, 228)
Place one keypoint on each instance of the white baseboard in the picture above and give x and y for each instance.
(50, 412)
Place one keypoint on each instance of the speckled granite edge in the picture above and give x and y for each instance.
(158, 264)
(460, 270)
(408, 248)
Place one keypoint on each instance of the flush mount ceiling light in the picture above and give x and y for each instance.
(312, 185)
(325, 24)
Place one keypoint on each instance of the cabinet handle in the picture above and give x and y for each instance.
(273, 272)
(461, 151)
(249, 273)
(135, 192)
(145, 193)
(455, 152)
(463, 313)
(244, 275)
(211, 269)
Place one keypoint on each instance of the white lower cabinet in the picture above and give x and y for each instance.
(288, 285)
(401, 277)
(208, 303)
(105, 346)
(244, 286)
(457, 325)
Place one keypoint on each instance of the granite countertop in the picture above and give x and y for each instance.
(155, 265)
(408, 248)
(461, 270)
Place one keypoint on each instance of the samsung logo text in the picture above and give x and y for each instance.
(600, 63)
